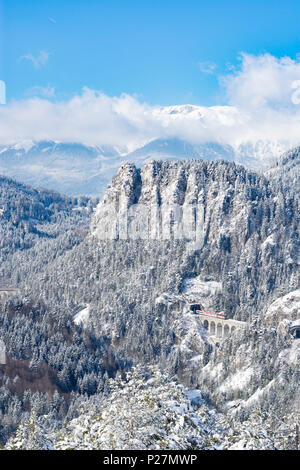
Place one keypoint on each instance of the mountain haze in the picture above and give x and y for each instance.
(76, 168)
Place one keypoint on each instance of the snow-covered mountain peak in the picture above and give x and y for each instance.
(183, 110)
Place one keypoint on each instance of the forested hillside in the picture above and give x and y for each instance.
(94, 301)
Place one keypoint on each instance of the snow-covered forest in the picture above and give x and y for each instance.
(102, 349)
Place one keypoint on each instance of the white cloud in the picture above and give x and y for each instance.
(90, 117)
(207, 67)
(37, 61)
(259, 93)
(262, 82)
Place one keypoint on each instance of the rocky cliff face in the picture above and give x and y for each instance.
(218, 223)
(234, 226)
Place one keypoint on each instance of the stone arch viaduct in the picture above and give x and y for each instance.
(219, 327)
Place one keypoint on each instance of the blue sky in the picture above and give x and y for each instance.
(161, 51)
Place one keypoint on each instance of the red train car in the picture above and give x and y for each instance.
(212, 314)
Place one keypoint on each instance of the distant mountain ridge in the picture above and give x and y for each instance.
(70, 168)
(79, 169)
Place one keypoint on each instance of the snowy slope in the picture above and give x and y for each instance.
(82, 317)
(285, 307)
